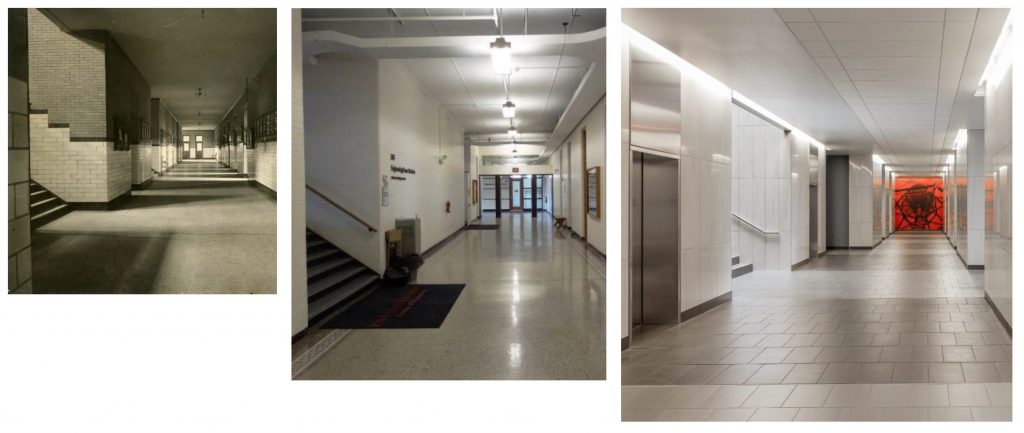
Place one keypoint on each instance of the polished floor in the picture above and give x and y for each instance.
(197, 229)
(533, 308)
(900, 332)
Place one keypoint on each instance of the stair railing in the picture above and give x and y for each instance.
(341, 208)
(754, 226)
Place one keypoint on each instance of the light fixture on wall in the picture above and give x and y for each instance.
(508, 110)
(501, 56)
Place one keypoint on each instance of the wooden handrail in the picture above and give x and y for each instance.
(341, 208)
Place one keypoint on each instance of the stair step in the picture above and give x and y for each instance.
(340, 294)
(49, 216)
(49, 199)
(39, 191)
(312, 256)
(337, 277)
(318, 242)
(742, 269)
(320, 269)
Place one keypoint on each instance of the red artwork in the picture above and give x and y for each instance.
(917, 203)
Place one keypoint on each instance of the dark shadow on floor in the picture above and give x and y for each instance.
(152, 201)
(94, 263)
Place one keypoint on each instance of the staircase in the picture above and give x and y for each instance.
(739, 269)
(201, 168)
(333, 278)
(44, 206)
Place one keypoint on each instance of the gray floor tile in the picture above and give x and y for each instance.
(818, 414)
(808, 396)
(968, 394)
(770, 374)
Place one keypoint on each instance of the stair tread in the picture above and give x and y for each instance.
(336, 277)
(320, 268)
(338, 295)
(319, 254)
(44, 201)
(55, 209)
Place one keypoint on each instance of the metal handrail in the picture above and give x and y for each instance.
(752, 225)
(341, 208)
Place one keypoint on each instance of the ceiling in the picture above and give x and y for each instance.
(890, 81)
(181, 50)
(451, 59)
(516, 21)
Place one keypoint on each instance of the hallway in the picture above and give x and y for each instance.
(900, 332)
(199, 228)
(533, 308)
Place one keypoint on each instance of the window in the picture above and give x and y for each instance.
(199, 138)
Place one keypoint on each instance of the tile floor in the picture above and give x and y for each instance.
(200, 228)
(900, 332)
(533, 308)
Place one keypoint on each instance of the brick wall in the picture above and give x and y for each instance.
(266, 164)
(66, 77)
(79, 171)
(141, 163)
(19, 231)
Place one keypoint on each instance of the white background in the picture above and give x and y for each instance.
(198, 363)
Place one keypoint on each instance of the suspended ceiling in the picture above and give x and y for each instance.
(896, 82)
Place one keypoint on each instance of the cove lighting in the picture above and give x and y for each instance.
(877, 159)
(961, 139)
(1000, 59)
(508, 110)
(751, 105)
(689, 71)
(501, 56)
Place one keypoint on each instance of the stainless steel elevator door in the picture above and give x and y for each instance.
(655, 239)
(813, 227)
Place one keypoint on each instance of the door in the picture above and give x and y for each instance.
(654, 249)
(516, 193)
(199, 146)
(813, 231)
(189, 153)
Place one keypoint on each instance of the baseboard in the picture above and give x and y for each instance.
(103, 206)
(625, 343)
(263, 188)
(822, 254)
(143, 185)
(999, 315)
(800, 263)
(433, 249)
(704, 307)
(594, 250)
(298, 336)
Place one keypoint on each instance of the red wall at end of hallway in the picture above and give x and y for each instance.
(917, 203)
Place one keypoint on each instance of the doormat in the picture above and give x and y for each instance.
(406, 306)
(482, 227)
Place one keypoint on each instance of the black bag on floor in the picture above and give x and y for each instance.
(402, 268)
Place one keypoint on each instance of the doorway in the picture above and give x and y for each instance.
(198, 146)
(654, 240)
(516, 193)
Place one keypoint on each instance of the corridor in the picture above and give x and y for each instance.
(901, 332)
(199, 228)
(533, 308)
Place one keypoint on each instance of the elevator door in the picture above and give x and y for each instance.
(654, 238)
(813, 218)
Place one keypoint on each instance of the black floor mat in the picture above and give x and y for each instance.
(482, 227)
(408, 306)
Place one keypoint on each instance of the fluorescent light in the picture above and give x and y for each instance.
(513, 132)
(746, 102)
(961, 139)
(950, 159)
(1000, 59)
(508, 110)
(501, 56)
(663, 54)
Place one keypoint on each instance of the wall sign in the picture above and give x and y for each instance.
(385, 195)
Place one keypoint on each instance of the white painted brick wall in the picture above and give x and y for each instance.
(142, 161)
(76, 171)
(266, 164)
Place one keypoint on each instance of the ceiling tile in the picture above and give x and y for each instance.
(806, 32)
(819, 49)
(887, 48)
(795, 15)
(961, 14)
(883, 31)
(891, 74)
(890, 62)
(876, 15)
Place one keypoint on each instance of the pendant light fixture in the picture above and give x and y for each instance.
(513, 132)
(501, 50)
(508, 110)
